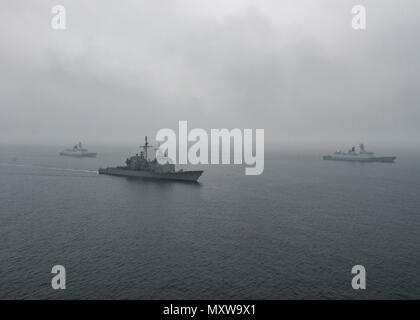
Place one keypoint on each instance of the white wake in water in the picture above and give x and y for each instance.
(47, 168)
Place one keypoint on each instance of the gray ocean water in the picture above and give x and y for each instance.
(292, 233)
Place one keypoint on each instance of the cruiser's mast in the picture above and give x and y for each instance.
(146, 145)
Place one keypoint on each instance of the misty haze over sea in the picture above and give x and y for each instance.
(294, 68)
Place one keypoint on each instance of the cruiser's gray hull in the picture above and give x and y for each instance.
(361, 159)
(190, 176)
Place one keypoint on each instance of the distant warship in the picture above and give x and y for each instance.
(139, 166)
(78, 151)
(362, 156)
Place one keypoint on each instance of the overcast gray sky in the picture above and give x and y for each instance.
(124, 69)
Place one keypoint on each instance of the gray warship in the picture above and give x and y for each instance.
(362, 156)
(78, 151)
(139, 166)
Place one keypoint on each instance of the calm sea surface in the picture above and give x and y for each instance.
(293, 232)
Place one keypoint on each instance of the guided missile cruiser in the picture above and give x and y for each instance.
(139, 166)
(362, 156)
